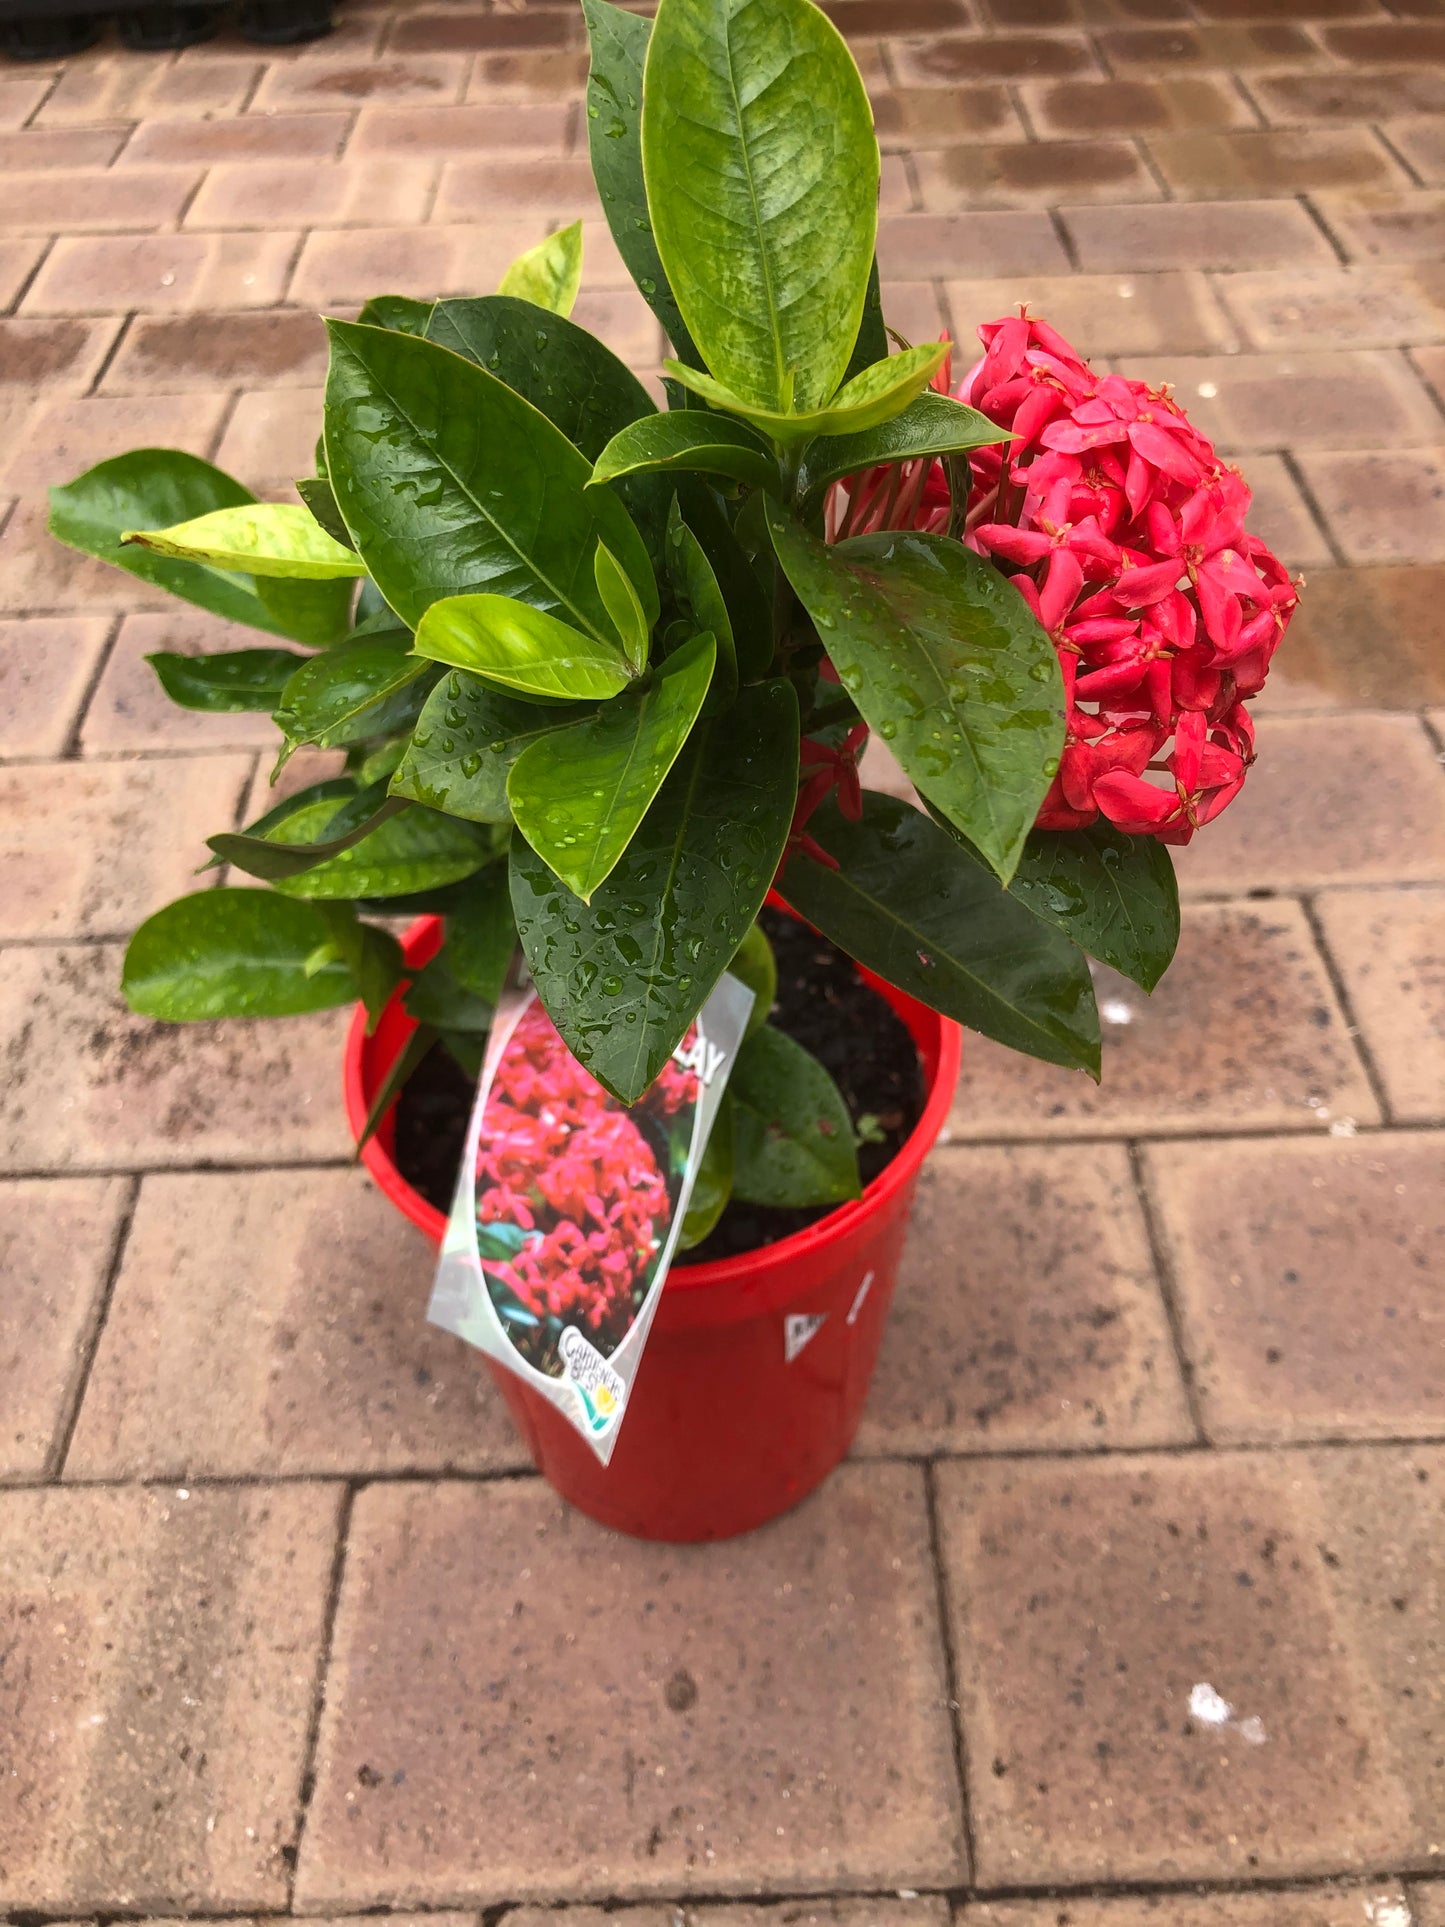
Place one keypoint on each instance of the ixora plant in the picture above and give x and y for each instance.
(602, 673)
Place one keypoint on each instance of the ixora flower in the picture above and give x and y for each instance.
(1124, 533)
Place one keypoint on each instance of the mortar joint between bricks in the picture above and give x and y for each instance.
(90, 1347)
(306, 1785)
(951, 1673)
(1162, 1261)
(71, 751)
(1353, 1027)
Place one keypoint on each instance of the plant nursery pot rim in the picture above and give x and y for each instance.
(423, 938)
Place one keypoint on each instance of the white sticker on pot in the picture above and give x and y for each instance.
(569, 1206)
(800, 1329)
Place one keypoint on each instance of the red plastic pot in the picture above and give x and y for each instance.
(738, 1409)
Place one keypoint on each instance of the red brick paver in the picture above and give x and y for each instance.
(286, 1627)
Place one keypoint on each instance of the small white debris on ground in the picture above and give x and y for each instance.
(1114, 1010)
(1386, 1910)
(1211, 1708)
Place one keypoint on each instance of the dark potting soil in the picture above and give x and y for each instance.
(822, 1003)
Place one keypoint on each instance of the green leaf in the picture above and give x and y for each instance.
(482, 933)
(272, 855)
(618, 41)
(911, 905)
(413, 849)
(624, 606)
(403, 1065)
(872, 342)
(549, 274)
(372, 956)
(519, 647)
(232, 953)
(750, 615)
(713, 1185)
(316, 613)
(930, 425)
(694, 439)
(359, 689)
(259, 538)
(437, 996)
(230, 683)
(871, 398)
(398, 312)
(573, 378)
(695, 584)
(1113, 895)
(451, 483)
(946, 661)
(792, 1135)
(159, 486)
(762, 180)
(755, 965)
(623, 977)
(579, 794)
(466, 740)
(316, 492)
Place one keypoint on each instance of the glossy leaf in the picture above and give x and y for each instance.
(911, 905)
(762, 180)
(755, 965)
(232, 953)
(579, 794)
(693, 439)
(277, 852)
(230, 683)
(451, 484)
(316, 492)
(549, 274)
(399, 312)
(871, 398)
(696, 587)
(157, 486)
(437, 996)
(624, 607)
(792, 1135)
(358, 689)
(414, 849)
(750, 615)
(618, 41)
(260, 538)
(945, 660)
(373, 956)
(1113, 895)
(932, 424)
(482, 933)
(572, 377)
(317, 613)
(624, 977)
(713, 1184)
(872, 341)
(465, 742)
(520, 648)
(403, 1067)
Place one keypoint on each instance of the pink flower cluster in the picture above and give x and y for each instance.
(561, 1159)
(1124, 532)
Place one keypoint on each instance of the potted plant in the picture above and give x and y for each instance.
(601, 674)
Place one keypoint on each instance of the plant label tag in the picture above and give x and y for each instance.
(569, 1206)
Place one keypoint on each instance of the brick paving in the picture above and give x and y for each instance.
(286, 1625)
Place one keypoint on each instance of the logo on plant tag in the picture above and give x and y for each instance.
(800, 1329)
(603, 1391)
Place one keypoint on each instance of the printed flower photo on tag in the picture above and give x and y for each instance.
(575, 1194)
(569, 1205)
